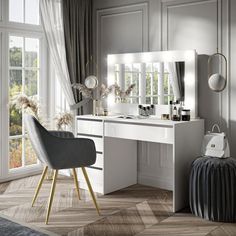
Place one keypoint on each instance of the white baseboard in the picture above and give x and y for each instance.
(155, 181)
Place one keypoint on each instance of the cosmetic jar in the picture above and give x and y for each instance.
(185, 115)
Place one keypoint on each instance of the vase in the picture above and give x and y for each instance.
(97, 107)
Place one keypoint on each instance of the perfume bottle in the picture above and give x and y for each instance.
(175, 116)
(170, 110)
(152, 110)
(148, 110)
(140, 110)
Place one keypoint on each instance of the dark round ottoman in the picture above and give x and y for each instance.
(212, 190)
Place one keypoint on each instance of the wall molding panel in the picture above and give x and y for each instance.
(205, 39)
(167, 6)
(107, 16)
(175, 25)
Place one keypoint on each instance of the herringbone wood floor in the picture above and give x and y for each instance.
(136, 210)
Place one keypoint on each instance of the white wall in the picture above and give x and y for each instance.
(153, 25)
(232, 91)
(138, 25)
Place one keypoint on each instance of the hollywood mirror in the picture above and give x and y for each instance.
(158, 77)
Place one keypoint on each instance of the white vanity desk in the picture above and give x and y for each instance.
(116, 145)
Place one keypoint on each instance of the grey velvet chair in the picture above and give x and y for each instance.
(60, 150)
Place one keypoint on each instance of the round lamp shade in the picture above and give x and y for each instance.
(91, 82)
(217, 82)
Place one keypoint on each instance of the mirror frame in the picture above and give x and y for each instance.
(187, 56)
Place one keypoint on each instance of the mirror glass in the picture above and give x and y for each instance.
(158, 77)
(155, 82)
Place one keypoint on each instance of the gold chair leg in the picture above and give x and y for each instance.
(76, 182)
(39, 185)
(51, 195)
(90, 189)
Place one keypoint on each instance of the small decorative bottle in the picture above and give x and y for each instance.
(152, 110)
(140, 110)
(175, 116)
(170, 110)
(148, 110)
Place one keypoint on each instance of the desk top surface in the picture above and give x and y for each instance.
(152, 120)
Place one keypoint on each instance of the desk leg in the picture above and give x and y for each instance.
(120, 163)
(186, 148)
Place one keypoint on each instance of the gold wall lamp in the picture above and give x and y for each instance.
(216, 80)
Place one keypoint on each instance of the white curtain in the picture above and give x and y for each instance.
(174, 79)
(52, 21)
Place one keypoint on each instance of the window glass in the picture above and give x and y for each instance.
(135, 80)
(148, 84)
(32, 12)
(24, 11)
(31, 52)
(15, 116)
(155, 83)
(31, 82)
(16, 11)
(15, 51)
(23, 80)
(15, 153)
(127, 80)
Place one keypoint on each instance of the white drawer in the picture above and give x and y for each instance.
(98, 142)
(149, 133)
(99, 161)
(90, 127)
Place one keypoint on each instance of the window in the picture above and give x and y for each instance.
(24, 76)
(24, 79)
(152, 82)
(152, 77)
(24, 11)
(23, 66)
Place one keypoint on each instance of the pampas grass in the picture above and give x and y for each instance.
(105, 91)
(124, 94)
(64, 119)
(28, 104)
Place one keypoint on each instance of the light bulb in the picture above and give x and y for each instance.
(217, 82)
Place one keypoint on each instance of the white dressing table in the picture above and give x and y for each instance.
(118, 140)
(116, 144)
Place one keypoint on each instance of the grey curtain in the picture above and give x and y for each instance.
(78, 30)
(180, 71)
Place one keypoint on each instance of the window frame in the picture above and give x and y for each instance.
(120, 75)
(22, 26)
(23, 69)
(8, 28)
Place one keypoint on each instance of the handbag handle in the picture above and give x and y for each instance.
(215, 126)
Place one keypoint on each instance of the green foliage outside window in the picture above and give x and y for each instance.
(16, 74)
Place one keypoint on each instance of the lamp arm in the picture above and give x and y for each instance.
(210, 59)
(209, 66)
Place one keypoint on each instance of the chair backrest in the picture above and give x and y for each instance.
(59, 151)
(37, 133)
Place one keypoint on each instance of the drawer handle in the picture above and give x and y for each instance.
(94, 167)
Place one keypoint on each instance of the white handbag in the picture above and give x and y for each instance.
(215, 144)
